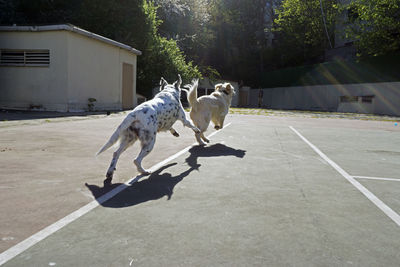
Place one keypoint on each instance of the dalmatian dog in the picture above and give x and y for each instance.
(143, 123)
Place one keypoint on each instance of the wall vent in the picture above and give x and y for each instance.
(28, 58)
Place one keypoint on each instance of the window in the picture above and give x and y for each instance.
(348, 99)
(362, 99)
(367, 98)
(18, 57)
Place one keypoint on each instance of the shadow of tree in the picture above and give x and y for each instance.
(159, 183)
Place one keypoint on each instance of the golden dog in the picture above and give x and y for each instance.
(208, 108)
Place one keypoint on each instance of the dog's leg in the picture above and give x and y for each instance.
(138, 160)
(187, 123)
(110, 172)
(174, 133)
(220, 123)
(204, 138)
(147, 142)
(198, 138)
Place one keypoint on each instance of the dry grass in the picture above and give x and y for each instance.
(311, 114)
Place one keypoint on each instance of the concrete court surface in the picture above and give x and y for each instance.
(257, 195)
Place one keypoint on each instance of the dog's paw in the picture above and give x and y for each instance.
(196, 167)
(109, 175)
(205, 139)
(145, 172)
(140, 168)
(107, 182)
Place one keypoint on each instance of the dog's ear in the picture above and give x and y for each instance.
(179, 80)
(178, 83)
(230, 88)
(163, 83)
(195, 83)
(218, 86)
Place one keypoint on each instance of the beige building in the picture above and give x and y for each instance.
(65, 68)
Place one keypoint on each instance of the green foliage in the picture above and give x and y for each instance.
(238, 41)
(187, 23)
(37, 12)
(161, 57)
(91, 103)
(374, 25)
(301, 30)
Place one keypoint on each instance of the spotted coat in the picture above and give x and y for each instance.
(143, 123)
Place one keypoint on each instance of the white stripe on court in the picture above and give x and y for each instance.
(382, 206)
(32, 240)
(377, 178)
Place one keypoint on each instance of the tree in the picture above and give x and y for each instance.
(162, 56)
(38, 12)
(237, 37)
(187, 22)
(374, 25)
(252, 38)
(301, 31)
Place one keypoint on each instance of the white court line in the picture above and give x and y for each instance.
(377, 178)
(382, 206)
(32, 240)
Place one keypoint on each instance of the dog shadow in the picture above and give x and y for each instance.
(216, 150)
(156, 186)
(160, 183)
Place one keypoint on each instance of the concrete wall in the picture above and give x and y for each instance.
(386, 100)
(80, 68)
(22, 87)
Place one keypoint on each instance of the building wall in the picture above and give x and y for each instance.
(385, 101)
(80, 68)
(35, 87)
(95, 71)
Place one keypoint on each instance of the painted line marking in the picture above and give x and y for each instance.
(377, 178)
(379, 203)
(42, 234)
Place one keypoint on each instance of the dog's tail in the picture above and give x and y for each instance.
(116, 135)
(192, 95)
